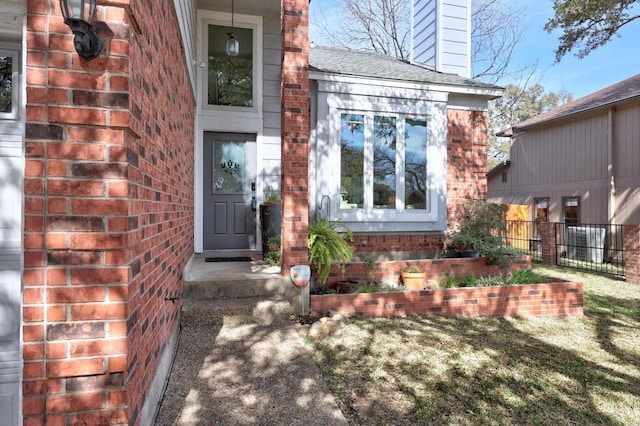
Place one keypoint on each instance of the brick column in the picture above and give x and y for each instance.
(295, 132)
(466, 159)
(108, 212)
(632, 253)
(547, 231)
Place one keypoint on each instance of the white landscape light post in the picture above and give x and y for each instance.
(300, 275)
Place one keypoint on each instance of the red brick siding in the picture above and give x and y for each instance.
(364, 243)
(466, 159)
(632, 253)
(554, 299)
(108, 212)
(295, 132)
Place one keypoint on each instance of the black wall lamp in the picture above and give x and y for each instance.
(78, 15)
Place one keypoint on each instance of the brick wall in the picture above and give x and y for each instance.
(295, 132)
(466, 159)
(390, 271)
(632, 253)
(553, 299)
(108, 211)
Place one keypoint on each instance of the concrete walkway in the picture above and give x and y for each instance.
(234, 367)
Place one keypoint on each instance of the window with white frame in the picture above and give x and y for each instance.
(8, 84)
(229, 78)
(384, 167)
(231, 82)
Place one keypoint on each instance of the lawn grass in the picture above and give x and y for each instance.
(486, 371)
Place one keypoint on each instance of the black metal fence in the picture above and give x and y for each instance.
(522, 236)
(592, 247)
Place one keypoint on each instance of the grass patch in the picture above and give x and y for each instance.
(486, 371)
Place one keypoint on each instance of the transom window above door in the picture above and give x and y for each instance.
(230, 79)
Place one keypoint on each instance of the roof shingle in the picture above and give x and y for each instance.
(618, 92)
(374, 65)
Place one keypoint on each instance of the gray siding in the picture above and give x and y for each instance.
(442, 35)
(574, 158)
(627, 164)
(11, 18)
(271, 100)
(186, 13)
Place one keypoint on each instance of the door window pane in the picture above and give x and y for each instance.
(415, 168)
(571, 210)
(230, 78)
(229, 167)
(541, 206)
(352, 161)
(6, 84)
(384, 162)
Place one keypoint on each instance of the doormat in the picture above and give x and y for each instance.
(228, 259)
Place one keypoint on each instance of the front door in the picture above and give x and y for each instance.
(229, 185)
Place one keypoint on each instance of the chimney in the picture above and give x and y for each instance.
(441, 35)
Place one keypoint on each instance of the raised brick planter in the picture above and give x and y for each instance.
(558, 299)
(390, 271)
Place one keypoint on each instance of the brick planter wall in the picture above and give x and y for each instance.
(435, 268)
(554, 299)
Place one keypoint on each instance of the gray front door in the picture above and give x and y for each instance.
(11, 172)
(229, 185)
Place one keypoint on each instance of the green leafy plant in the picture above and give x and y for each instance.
(273, 254)
(411, 269)
(271, 195)
(482, 228)
(369, 263)
(328, 246)
(448, 281)
(526, 276)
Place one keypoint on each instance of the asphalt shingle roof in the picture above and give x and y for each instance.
(618, 92)
(374, 65)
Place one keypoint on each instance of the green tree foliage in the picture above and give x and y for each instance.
(588, 24)
(515, 106)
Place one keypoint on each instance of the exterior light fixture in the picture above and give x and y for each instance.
(78, 15)
(233, 46)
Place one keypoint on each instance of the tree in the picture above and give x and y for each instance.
(516, 105)
(588, 24)
(384, 26)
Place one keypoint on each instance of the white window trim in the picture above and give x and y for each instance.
(369, 219)
(15, 83)
(206, 18)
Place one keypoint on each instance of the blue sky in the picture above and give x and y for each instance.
(614, 62)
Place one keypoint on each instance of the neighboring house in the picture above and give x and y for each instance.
(114, 171)
(577, 163)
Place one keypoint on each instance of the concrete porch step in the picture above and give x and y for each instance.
(207, 280)
(238, 285)
(235, 311)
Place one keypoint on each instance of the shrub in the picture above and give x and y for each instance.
(329, 245)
